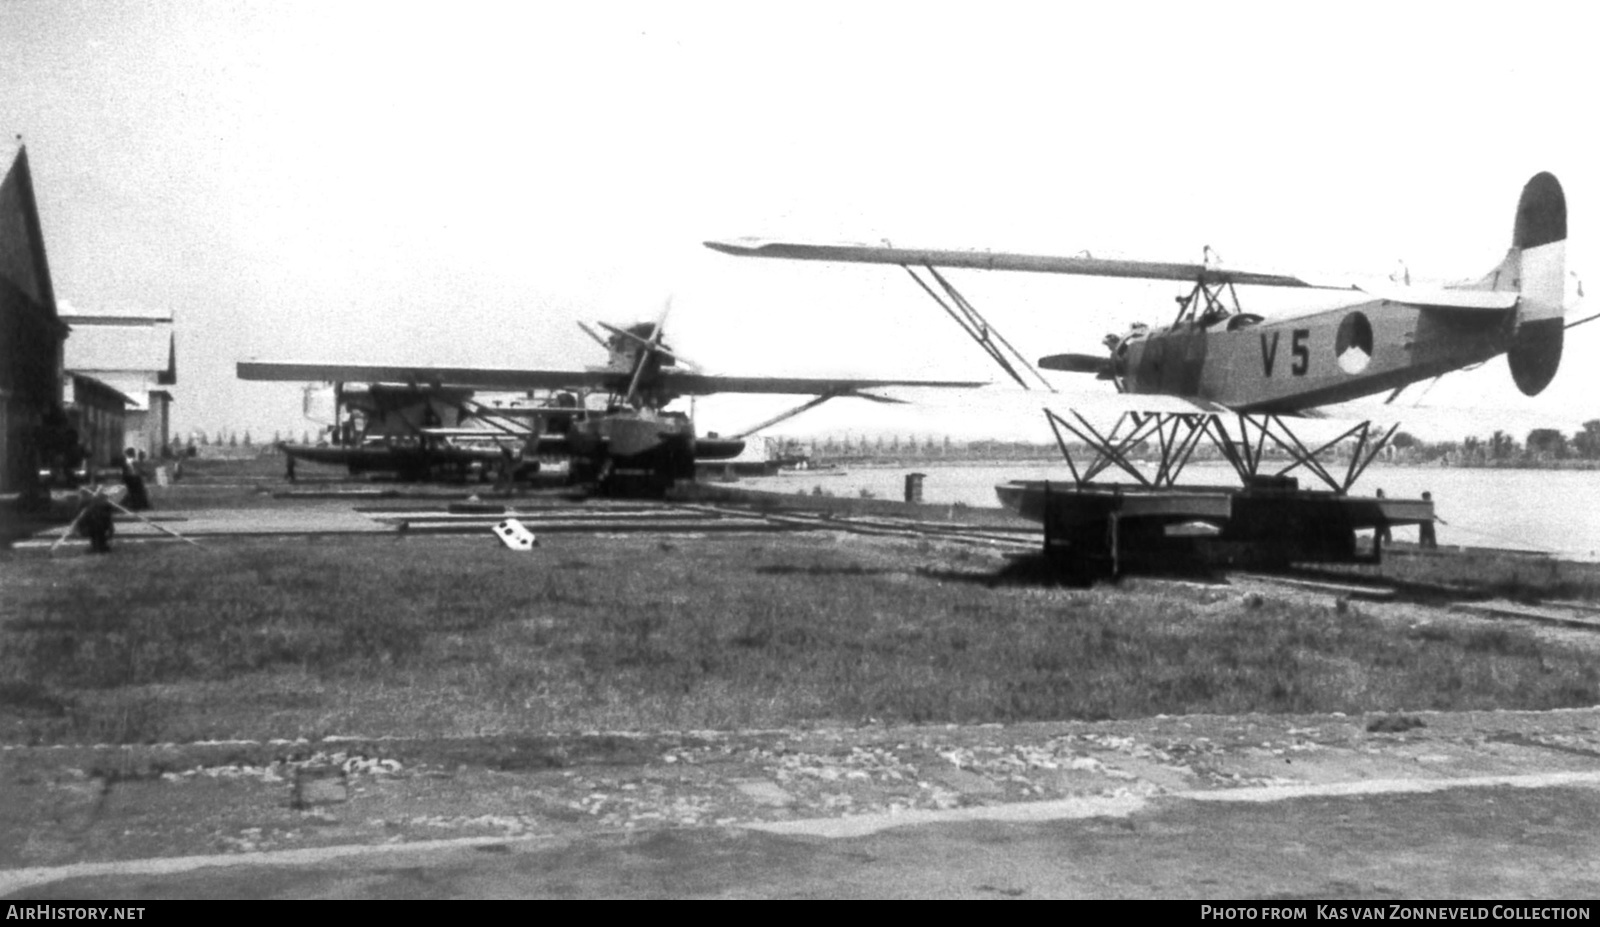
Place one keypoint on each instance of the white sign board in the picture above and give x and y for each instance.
(515, 536)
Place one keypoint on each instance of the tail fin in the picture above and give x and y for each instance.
(1537, 266)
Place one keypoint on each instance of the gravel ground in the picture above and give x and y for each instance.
(223, 804)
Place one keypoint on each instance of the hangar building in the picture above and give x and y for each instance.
(30, 331)
(134, 353)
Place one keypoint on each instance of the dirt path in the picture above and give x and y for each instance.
(1426, 805)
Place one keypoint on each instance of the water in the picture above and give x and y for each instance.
(1546, 510)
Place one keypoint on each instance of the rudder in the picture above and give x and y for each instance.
(1539, 244)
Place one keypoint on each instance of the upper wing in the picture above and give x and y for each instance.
(992, 260)
(472, 377)
(1472, 300)
(700, 384)
(678, 383)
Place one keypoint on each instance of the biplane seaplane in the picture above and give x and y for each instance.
(631, 443)
(1238, 380)
(429, 432)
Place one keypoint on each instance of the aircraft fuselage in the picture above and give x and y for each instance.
(644, 449)
(1327, 357)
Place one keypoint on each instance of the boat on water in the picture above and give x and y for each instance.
(806, 468)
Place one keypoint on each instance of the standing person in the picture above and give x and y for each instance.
(138, 499)
(508, 466)
(1425, 535)
(1381, 535)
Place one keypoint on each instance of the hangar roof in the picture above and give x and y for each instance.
(149, 349)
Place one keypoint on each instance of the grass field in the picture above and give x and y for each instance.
(455, 635)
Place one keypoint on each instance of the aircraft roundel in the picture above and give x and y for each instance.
(1353, 343)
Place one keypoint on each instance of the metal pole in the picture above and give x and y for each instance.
(73, 526)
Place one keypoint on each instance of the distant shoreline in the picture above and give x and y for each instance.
(824, 464)
(870, 463)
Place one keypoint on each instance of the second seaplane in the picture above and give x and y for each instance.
(1238, 380)
(631, 444)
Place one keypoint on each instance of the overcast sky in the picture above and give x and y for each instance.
(461, 182)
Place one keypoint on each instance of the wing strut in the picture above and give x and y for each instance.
(812, 404)
(490, 417)
(785, 416)
(978, 328)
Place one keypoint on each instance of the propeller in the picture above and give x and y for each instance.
(659, 349)
(1104, 366)
(650, 347)
(593, 334)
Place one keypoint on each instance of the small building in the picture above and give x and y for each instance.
(96, 412)
(30, 331)
(134, 353)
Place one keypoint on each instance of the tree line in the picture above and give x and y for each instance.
(226, 437)
(1539, 446)
(1542, 445)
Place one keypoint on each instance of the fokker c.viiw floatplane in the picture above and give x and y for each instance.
(632, 445)
(1237, 379)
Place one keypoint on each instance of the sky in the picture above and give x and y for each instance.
(460, 183)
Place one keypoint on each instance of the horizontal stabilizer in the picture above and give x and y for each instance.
(994, 260)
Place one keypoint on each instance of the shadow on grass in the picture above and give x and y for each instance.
(1444, 593)
(1465, 575)
(1037, 569)
(30, 698)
